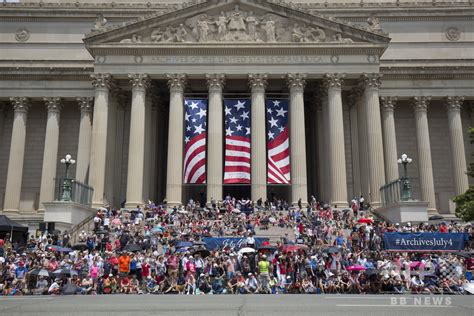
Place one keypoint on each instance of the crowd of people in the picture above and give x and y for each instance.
(159, 250)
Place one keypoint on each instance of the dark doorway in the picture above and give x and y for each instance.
(238, 191)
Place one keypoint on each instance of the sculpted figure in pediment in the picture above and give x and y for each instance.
(374, 23)
(237, 22)
(180, 34)
(338, 38)
(297, 34)
(221, 24)
(100, 22)
(135, 39)
(202, 28)
(252, 23)
(315, 34)
(270, 31)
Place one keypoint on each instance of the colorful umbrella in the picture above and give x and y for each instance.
(246, 250)
(356, 267)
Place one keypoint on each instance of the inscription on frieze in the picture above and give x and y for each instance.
(290, 59)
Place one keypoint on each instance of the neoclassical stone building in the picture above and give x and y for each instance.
(106, 81)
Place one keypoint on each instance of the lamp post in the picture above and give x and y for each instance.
(406, 185)
(66, 195)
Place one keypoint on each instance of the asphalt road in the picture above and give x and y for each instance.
(240, 305)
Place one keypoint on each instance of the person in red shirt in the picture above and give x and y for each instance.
(145, 270)
(443, 228)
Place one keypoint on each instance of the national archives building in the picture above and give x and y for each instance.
(109, 83)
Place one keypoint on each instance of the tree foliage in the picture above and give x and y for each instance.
(465, 201)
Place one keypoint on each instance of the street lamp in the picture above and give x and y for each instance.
(406, 185)
(67, 160)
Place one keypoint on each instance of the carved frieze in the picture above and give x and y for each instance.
(237, 25)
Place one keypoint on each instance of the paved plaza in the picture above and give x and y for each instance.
(238, 305)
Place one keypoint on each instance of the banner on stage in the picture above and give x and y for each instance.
(278, 142)
(237, 141)
(424, 241)
(195, 134)
(233, 242)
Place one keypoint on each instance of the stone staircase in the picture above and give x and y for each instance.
(86, 225)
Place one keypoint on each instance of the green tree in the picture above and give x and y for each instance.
(465, 201)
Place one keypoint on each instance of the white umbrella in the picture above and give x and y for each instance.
(183, 212)
(272, 219)
(236, 210)
(246, 250)
(469, 287)
(102, 209)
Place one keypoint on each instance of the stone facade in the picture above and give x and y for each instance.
(421, 49)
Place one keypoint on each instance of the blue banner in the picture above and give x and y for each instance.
(233, 242)
(424, 241)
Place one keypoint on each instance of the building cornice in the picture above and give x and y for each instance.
(428, 73)
(211, 49)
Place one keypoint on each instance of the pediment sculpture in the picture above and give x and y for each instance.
(238, 26)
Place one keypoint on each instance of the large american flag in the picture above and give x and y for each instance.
(278, 158)
(195, 132)
(237, 141)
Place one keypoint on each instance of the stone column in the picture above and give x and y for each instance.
(17, 154)
(161, 136)
(122, 102)
(153, 147)
(174, 179)
(50, 153)
(215, 139)
(354, 145)
(322, 169)
(299, 183)
(362, 142)
(336, 150)
(147, 169)
(389, 138)
(424, 152)
(258, 83)
(325, 163)
(84, 143)
(2, 121)
(458, 155)
(136, 147)
(313, 147)
(374, 136)
(98, 160)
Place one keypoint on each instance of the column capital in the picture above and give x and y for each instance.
(371, 80)
(215, 81)
(296, 81)
(176, 82)
(20, 104)
(139, 81)
(53, 104)
(85, 104)
(258, 81)
(103, 81)
(388, 103)
(454, 103)
(333, 81)
(421, 103)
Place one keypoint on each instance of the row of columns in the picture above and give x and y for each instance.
(257, 83)
(372, 139)
(21, 106)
